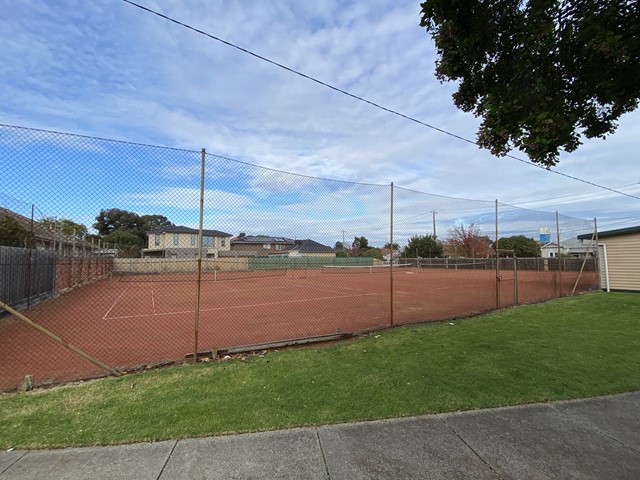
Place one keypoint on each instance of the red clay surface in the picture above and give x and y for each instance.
(127, 324)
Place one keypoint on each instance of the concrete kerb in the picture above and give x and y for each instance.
(588, 438)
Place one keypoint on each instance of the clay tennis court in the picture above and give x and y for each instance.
(132, 321)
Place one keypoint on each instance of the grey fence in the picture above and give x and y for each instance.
(26, 275)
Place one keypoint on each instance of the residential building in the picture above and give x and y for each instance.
(182, 242)
(259, 245)
(45, 238)
(618, 258)
(307, 248)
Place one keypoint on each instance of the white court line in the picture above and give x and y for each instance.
(114, 304)
(245, 306)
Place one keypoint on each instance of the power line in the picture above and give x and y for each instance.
(376, 105)
(586, 195)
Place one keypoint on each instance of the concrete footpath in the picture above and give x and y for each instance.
(595, 438)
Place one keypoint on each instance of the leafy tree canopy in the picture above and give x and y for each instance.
(114, 219)
(523, 246)
(358, 245)
(372, 252)
(425, 246)
(12, 234)
(540, 74)
(65, 226)
(360, 242)
(468, 242)
(149, 222)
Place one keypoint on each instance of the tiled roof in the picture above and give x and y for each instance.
(310, 246)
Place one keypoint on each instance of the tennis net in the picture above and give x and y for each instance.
(363, 269)
(206, 276)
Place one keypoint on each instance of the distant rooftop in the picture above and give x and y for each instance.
(181, 229)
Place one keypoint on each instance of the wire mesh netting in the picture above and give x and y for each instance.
(117, 256)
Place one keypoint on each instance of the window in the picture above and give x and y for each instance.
(223, 241)
(157, 239)
(207, 241)
(279, 246)
(176, 238)
(193, 239)
(266, 246)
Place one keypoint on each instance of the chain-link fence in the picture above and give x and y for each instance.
(145, 255)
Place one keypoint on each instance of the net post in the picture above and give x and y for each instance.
(199, 280)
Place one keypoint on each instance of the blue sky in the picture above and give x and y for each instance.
(110, 70)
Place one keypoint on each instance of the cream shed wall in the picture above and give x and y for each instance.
(623, 262)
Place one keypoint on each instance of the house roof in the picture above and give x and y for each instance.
(259, 239)
(310, 246)
(41, 232)
(612, 233)
(181, 229)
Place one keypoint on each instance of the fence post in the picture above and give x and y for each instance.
(391, 258)
(597, 258)
(497, 262)
(559, 255)
(199, 281)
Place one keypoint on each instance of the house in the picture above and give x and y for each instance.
(618, 258)
(45, 238)
(387, 254)
(568, 248)
(550, 250)
(306, 248)
(259, 245)
(182, 242)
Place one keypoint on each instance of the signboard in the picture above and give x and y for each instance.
(545, 235)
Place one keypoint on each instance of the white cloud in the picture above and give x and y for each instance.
(111, 70)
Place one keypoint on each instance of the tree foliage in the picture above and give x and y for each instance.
(64, 226)
(115, 219)
(127, 230)
(359, 245)
(372, 252)
(425, 246)
(12, 234)
(522, 246)
(540, 74)
(468, 242)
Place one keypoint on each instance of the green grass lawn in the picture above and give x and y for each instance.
(573, 347)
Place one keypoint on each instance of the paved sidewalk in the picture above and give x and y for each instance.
(596, 438)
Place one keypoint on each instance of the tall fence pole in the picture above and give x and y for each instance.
(497, 262)
(199, 281)
(559, 254)
(391, 258)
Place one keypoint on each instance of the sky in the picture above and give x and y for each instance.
(110, 70)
